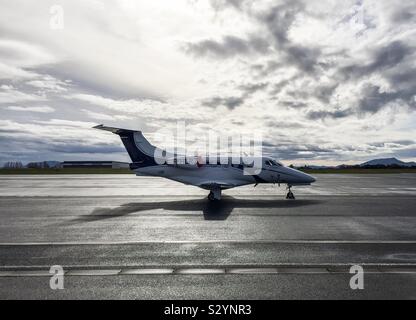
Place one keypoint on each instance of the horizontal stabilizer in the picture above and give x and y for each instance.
(113, 129)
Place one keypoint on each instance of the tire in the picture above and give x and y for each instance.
(290, 195)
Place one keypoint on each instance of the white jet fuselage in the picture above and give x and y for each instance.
(217, 176)
(226, 176)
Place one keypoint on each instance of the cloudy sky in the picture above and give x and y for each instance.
(326, 81)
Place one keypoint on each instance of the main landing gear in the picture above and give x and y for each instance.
(290, 194)
(214, 195)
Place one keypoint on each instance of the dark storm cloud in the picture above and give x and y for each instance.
(7, 131)
(325, 92)
(28, 148)
(404, 14)
(373, 98)
(275, 55)
(396, 142)
(386, 61)
(406, 153)
(306, 59)
(278, 21)
(232, 102)
(32, 143)
(293, 104)
(228, 46)
(322, 114)
(383, 58)
(223, 4)
(229, 102)
(404, 142)
(292, 151)
(279, 86)
(389, 62)
(298, 94)
(252, 87)
(284, 124)
(403, 77)
(398, 152)
(265, 69)
(377, 144)
(75, 148)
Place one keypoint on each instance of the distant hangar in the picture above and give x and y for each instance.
(95, 164)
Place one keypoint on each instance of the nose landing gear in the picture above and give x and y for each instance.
(214, 194)
(290, 194)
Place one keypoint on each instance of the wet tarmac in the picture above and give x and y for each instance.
(121, 236)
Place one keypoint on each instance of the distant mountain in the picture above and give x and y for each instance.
(313, 167)
(343, 166)
(318, 167)
(388, 162)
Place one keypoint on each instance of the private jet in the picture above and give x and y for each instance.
(213, 177)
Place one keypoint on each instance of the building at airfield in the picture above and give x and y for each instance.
(95, 164)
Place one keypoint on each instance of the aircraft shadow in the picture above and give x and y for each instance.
(218, 210)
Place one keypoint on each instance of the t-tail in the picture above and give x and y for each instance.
(140, 150)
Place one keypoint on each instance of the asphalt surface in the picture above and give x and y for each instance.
(121, 236)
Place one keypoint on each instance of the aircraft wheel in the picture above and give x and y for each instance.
(290, 195)
(211, 196)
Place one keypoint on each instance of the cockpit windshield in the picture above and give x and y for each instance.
(276, 163)
(273, 163)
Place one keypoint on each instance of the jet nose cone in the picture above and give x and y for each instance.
(308, 178)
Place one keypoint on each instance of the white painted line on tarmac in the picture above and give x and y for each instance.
(93, 272)
(199, 271)
(254, 241)
(252, 270)
(25, 273)
(332, 266)
(397, 270)
(202, 270)
(147, 271)
(302, 270)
